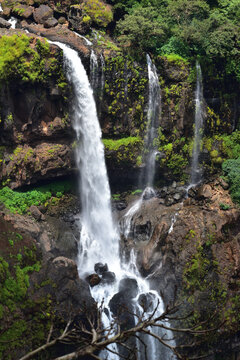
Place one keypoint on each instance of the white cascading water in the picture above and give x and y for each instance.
(196, 172)
(13, 22)
(93, 70)
(99, 240)
(88, 42)
(147, 175)
(154, 108)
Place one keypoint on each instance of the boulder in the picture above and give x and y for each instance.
(148, 193)
(23, 10)
(100, 268)
(147, 301)
(52, 22)
(93, 279)
(36, 213)
(42, 14)
(204, 191)
(68, 292)
(4, 23)
(129, 287)
(108, 277)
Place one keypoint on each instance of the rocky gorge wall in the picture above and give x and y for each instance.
(37, 145)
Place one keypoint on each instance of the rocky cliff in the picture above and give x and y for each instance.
(189, 247)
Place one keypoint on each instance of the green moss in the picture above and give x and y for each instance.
(111, 144)
(176, 59)
(124, 151)
(18, 59)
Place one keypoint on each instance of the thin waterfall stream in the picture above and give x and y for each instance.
(99, 238)
(196, 173)
(154, 109)
(150, 151)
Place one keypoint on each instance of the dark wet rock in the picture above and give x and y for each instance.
(192, 192)
(49, 23)
(62, 20)
(75, 17)
(108, 277)
(42, 14)
(100, 268)
(142, 231)
(169, 200)
(65, 287)
(4, 23)
(177, 196)
(163, 192)
(93, 279)
(119, 205)
(129, 287)
(148, 193)
(147, 301)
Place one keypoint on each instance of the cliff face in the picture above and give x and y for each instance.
(185, 243)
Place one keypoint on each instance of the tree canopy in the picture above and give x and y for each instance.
(190, 28)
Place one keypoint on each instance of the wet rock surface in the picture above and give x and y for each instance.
(166, 236)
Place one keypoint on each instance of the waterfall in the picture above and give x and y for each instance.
(88, 42)
(154, 107)
(102, 73)
(99, 238)
(196, 172)
(150, 150)
(93, 70)
(13, 22)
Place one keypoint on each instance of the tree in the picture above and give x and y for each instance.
(90, 337)
(142, 29)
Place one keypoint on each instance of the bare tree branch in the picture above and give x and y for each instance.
(89, 337)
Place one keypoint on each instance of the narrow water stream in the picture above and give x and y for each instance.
(196, 173)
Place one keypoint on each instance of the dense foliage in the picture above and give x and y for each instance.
(19, 202)
(232, 169)
(189, 28)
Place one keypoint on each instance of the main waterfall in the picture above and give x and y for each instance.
(99, 238)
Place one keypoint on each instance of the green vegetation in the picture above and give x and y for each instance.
(96, 12)
(123, 151)
(18, 59)
(191, 29)
(19, 202)
(231, 169)
(224, 206)
(23, 321)
(111, 144)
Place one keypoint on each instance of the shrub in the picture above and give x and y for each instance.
(99, 13)
(19, 202)
(231, 169)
